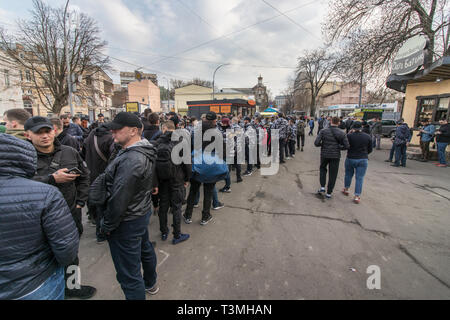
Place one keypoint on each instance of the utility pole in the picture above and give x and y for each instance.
(361, 84)
(66, 47)
(214, 77)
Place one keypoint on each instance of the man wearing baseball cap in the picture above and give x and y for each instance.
(98, 123)
(129, 184)
(61, 166)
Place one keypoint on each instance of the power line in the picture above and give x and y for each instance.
(293, 21)
(206, 61)
(237, 31)
(206, 22)
(146, 68)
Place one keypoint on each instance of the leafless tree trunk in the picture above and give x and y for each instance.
(372, 31)
(40, 50)
(314, 69)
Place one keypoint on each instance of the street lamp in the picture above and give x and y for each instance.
(168, 94)
(214, 76)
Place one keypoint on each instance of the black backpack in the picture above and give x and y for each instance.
(164, 166)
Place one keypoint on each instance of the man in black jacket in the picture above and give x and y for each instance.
(152, 132)
(443, 139)
(97, 150)
(37, 234)
(332, 141)
(172, 179)
(61, 166)
(129, 183)
(63, 136)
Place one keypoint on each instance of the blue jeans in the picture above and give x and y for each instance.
(130, 248)
(51, 289)
(441, 147)
(358, 166)
(400, 155)
(215, 199)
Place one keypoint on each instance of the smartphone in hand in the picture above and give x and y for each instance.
(74, 171)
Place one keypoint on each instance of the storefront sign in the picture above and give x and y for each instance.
(225, 109)
(132, 107)
(410, 57)
(215, 109)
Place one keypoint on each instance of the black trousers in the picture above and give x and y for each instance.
(291, 147)
(170, 196)
(282, 146)
(302, 138)
(207, 198)
(333, 166)
(247, 158)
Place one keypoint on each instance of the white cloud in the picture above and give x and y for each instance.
(167, 28)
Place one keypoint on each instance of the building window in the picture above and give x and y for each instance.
(7, 83)
(89, 81)
(432, 109)
(426, 109)
(21, 75)
(442, 109)
(28, 76)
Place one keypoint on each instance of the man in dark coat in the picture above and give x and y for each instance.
(63, 137)
(129, 184)
(37, 234)
(402, 138)
(171, 179)
(73, 129)
(61, 166)
(97, 149)
(152, 131)
(332, 141)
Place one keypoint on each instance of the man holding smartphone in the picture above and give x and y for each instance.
(62, 167)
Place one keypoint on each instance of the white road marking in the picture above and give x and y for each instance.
(165, 258)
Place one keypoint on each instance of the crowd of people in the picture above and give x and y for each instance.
(123, 170)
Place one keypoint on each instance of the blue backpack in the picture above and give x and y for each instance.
(210, 170)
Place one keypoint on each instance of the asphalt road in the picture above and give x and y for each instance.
(276, 240)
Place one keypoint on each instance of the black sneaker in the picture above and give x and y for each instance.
(219, 206)
(164, 236)
(181, 238)
(205, 222)
(153, 290)
(247, 173)
(85, 292)
(239, 180)
(225, 190)
(187, 220)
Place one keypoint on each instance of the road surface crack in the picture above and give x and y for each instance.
(420, 265)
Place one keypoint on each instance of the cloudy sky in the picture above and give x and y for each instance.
(185, 39)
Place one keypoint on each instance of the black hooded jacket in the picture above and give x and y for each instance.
(183, 171)
(37, 231)
(151, 132)
(67, 140)
(94, 161)
(129, 183)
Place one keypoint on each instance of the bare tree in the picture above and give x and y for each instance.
(175, 83)
(315, 68)
(40, 50)
(374, 30)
